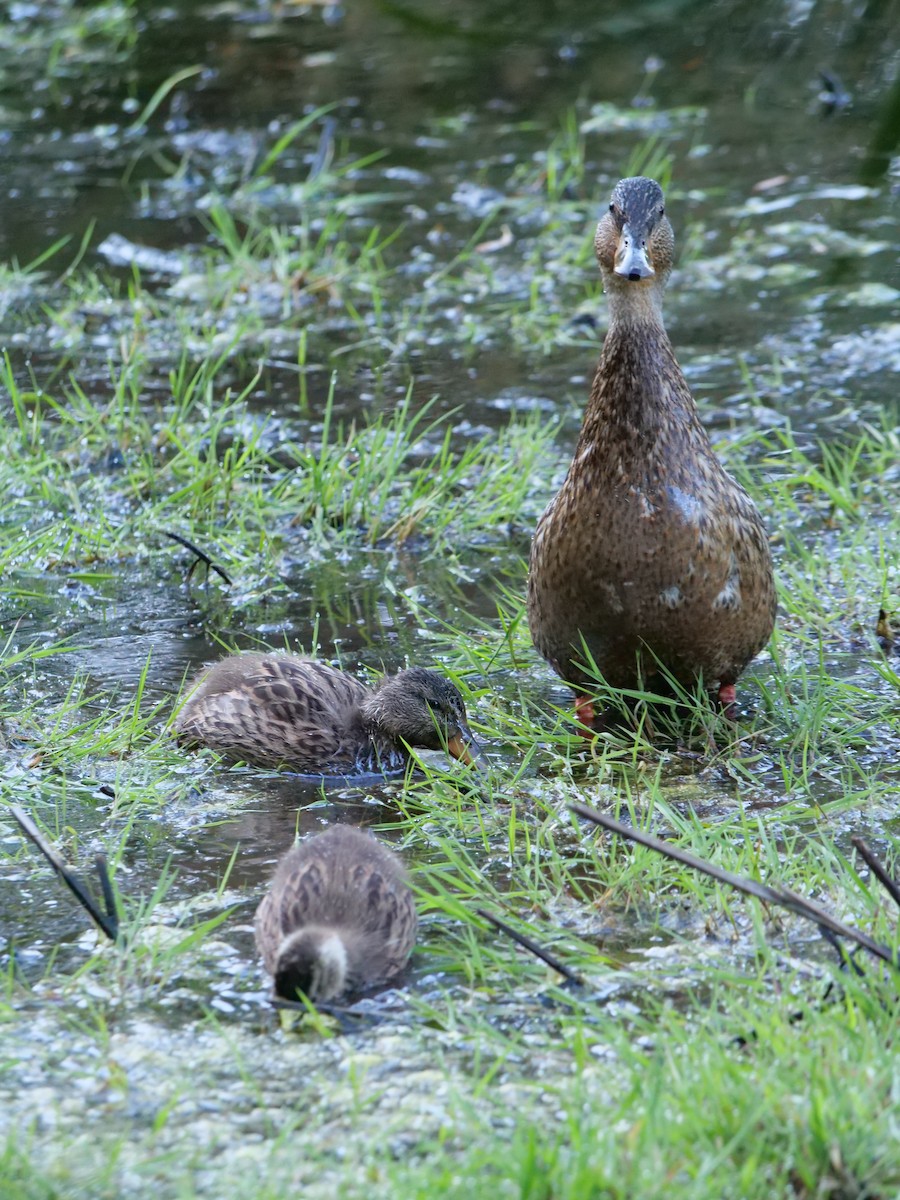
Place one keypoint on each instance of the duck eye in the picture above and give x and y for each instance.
(662, 210)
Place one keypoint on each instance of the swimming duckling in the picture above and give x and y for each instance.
(339, 916)
(281, 710)
(650, 554)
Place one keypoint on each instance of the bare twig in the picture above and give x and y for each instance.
(109, 921)
(109, 898)
(762, 891)
(201, 556)
(878, 869)
(528, 944)
(846, 959)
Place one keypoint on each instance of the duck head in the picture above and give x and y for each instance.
(312, 960)
(422, 708)
(634, 242)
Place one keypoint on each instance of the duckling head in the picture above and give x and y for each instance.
(312, 960)
(634, 242)
(422, 708)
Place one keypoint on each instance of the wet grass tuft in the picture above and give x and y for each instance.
(268, 391)
(688, 989)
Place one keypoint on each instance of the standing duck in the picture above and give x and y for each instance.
(650, 555)
(281, 710)
(339, 916)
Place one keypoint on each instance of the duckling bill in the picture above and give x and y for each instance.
(650, 555)
(282, 710)
(339, 916)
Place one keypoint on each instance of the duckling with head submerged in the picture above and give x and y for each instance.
(281, 710)
(339, 916)
(650, 555)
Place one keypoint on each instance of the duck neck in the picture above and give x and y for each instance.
(633, 306)
(639, 389)
(381, 751)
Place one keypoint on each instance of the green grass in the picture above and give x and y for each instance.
(203, 465)
(210, 402)
(636, 1087)
(633, 1088)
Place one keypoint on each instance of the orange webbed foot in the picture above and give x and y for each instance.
(728, 700)
(586, 714)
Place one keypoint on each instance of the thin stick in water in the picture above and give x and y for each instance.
(201, 556)
(109, 898)
(108, 923)
(762, 891)
(878, 869)
(528, 944)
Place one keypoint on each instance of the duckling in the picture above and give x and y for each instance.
(650, 555)
(281, 710)
(339, 917)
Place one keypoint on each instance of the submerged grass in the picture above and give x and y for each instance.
(702, 1058)
(680, 1069)
(111, 475)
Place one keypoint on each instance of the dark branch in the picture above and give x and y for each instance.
(877, 868)
(762, 891)
(527, 944)
(109, 898)
(201, 556)
(108, 923)
(846, 960)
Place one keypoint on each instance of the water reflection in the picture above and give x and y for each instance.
(452, 87)
(465, 100)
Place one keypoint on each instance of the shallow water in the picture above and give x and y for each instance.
(786, 224)
(463, 103)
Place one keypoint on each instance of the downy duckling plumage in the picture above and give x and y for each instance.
(339, 916)
(283, 710)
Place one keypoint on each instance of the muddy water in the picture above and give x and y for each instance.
(787, 223)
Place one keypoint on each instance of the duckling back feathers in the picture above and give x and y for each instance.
(339, 916)
(281, 710)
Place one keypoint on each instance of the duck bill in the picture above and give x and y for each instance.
(631, 256)
(464, 747)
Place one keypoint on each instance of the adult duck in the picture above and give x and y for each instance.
(339, 916)
(282, 710)
(650, 556)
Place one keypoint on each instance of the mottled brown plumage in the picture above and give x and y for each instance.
(280, 710)
(650, 550)
(338, 918)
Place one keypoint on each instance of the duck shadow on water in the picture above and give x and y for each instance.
(261, 812)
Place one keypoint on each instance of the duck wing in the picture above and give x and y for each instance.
(649, 546)
(277, 711)
(298, 897)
